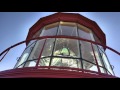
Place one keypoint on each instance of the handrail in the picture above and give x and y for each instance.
(60, 36)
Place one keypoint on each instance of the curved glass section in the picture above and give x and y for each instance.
(64, 52)
(67, 28)
(50, 30)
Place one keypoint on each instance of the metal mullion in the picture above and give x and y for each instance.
(80, 49)
(65, 57)
(105, 69)
(45, 57)
(54, 45)
(95, 59)
(40, 53)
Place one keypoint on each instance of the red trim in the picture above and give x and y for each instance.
(68, 17)
(43, 72)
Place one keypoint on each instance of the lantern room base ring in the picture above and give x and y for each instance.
(52, 72)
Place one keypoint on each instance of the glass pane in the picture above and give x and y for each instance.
(89, 66)
(25, 54)
(87, 52)
(67, 28)
(36, 50)
(50, 30)
(37, 34)
(66, 47)
(44, 62)
(48, 47)
(30, 43)
(66, 62)
(96, 38)
(31, 63)
(21, 66)
(98, 57)
(101, 48)
(85, 33)
(106, 63)
(102, 70)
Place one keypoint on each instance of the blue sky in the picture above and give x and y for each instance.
(14, 27)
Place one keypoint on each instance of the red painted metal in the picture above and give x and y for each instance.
(68, 17)
(51, 73)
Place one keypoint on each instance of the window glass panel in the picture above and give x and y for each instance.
(84, 33)
(106, 63)
(66, 62)
(50, 30)
(21, 66)
(87, 52)
(31, 63)
(47, 51)
(25, 55)
(89, 66)
(96, 38)
(37, 34)
(36, 50)
(66, 47)
(30, 43)
(101, 48)
(67, 28)
(44, 62)
(102, 70)
(97, 54)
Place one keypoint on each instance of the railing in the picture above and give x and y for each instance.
(5, 52)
